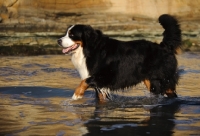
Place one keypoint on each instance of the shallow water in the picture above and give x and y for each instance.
(35, 99)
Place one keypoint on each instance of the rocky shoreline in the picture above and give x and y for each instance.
(30, 27)
(42, 38)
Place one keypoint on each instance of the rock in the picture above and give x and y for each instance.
(38, 23)
(100, 8)
(33, 43)
(9, 3)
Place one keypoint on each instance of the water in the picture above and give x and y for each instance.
(35, 99)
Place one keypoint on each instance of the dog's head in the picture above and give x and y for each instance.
(77, 36)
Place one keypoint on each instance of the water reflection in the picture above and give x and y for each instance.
(135, 121)
(50, 111)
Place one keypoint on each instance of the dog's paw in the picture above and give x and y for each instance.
(76, 97)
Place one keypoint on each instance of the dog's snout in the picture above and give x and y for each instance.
(59, 41)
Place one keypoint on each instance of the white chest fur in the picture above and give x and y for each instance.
(79, 62)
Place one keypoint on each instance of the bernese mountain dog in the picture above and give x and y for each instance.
(107, 64)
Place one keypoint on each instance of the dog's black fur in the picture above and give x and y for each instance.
(119, 65)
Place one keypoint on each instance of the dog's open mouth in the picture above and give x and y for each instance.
(71, 48)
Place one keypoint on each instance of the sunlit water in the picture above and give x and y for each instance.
(35, 99)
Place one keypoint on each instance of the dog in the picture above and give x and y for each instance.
(107, 64)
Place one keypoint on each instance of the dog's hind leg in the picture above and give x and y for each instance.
(155, 88)
(169, 86)
(170, 93)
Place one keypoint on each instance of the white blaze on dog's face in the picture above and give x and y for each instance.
(66, 40)
(69, 42)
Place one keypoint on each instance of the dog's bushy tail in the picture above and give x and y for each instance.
(172, 34)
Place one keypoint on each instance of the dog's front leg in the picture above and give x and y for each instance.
(80, 90)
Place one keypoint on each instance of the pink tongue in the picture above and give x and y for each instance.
(69, 48)
(65, 50)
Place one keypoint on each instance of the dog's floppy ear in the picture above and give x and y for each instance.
(89, 36)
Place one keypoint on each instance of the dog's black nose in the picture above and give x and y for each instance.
(59, 41)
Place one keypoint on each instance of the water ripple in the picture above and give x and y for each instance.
(8, 71)
(35, 64)
(71, 72)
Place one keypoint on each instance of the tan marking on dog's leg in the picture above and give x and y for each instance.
(170, 93)
(80, 90)
(101, 98)
(147, 83)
